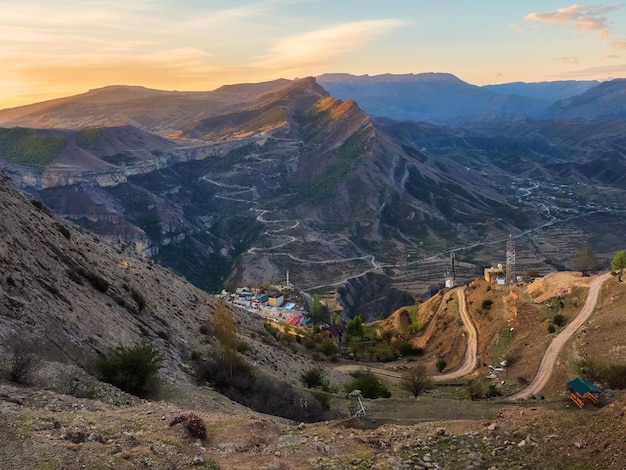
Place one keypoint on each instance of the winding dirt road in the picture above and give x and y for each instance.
(550, 356)
(469, 361)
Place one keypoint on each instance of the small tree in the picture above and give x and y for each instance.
(441, 364)
(23, 359)
(416, 381)
(586, 260)
(131, 369)
(618, 263)
(354, 327)
(225, 331)
(319, 312)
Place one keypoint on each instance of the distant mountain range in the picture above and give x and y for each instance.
(359, 186)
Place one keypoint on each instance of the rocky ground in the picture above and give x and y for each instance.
(44, 429)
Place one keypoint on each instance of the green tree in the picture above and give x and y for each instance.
(354, 327)
(618, 263)
(441, 364)
(131, 368)
(586, 260)
(319, 312)
(416, 380)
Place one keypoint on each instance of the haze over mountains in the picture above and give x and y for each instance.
(357, 184)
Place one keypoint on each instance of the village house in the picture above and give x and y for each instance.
(276, 299)
(337, 333)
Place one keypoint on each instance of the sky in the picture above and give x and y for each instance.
(50, 49)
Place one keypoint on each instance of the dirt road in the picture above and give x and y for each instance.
(549, 358)
(469, 361)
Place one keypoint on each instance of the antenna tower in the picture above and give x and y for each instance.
(510, 261)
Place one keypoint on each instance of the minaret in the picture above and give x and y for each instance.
(287, 278)
(510, 261)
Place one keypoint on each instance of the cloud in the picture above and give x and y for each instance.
(584, 18)
(608, 71)
(567, 60)
(324, 45)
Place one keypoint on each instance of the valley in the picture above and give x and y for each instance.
(245, 183)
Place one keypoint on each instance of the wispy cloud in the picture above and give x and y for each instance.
(584, 18)
(323, 45)
(567, 60)
(608, 71)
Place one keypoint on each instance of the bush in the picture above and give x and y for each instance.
(138, 298)
(95, 280)
(407, 349)
(193, 423)
(441, 364)
(482, 388)
(559, 320)
(369, 385)
(312, 378)
(551, 328)
(63, 230)
(487, 303)
(323, 398)
(609, 375)
(242, 347)
(329, 347)
(131, 369)
(22, 360)
(416, 381)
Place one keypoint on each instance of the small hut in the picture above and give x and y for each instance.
(581, 390)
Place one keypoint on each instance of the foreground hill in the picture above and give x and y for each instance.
(44, 429)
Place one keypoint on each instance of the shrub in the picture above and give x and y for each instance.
(441, 364)
(487, 304)
(22, 360)
(551, 328)
(131, 369)
(193, 423)
(482, 388)
(323, 398)
(95, 280)
(416, 381)
(329, 347)
(559, 320)
(312, 378)
(369, 385)
(242, 347)
(138, 298)
(405, 348)
(610, 375)
(63, 230)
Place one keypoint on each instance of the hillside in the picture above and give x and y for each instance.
(76, 296)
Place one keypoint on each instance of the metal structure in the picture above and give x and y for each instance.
(510, 261)
(357, 394)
